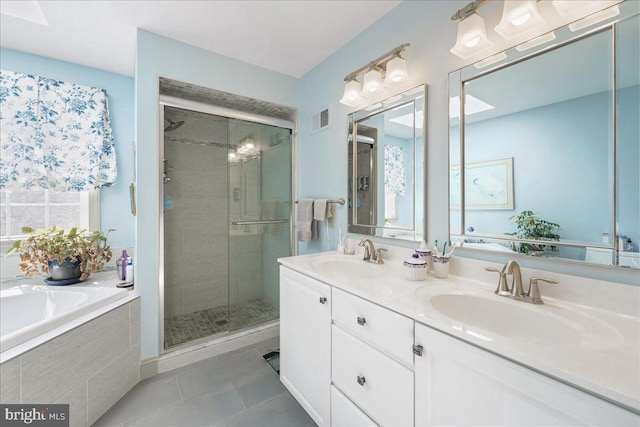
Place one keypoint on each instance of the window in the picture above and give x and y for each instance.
(42, 208)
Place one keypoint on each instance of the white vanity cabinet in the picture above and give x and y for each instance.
(459, 384)
(372, 360)
(305, 342)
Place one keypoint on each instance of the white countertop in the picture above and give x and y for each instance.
(604, 360)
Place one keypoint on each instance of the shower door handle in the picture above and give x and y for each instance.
(260, 222)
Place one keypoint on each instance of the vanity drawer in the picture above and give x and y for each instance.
(345, 414)
(380, 386)
(388, 331)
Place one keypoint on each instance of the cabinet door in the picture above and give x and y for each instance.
(345, 414)
(382, 387)
(305, 342)
(459, 384)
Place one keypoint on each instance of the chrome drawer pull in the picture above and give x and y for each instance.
(417, 350)
(323, 300)
(361, 380)
(361, 321)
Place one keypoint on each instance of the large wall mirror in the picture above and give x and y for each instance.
(544, 152)
(387, 167)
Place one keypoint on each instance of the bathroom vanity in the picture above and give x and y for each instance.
(362, 345)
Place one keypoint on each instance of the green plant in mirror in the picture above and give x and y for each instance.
(531, 227)
(54, 244)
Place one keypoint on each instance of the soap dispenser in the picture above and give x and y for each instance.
(121, 263)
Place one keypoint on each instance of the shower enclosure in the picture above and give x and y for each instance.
(227, 189)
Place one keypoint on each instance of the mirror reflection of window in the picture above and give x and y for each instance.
(395, 180)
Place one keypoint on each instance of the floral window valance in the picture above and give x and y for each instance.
(395, 181)
(54, 135)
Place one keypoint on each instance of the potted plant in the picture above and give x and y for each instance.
(532, 227)
(64, 255)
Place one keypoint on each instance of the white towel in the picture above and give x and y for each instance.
(322, 210)
(304, 220)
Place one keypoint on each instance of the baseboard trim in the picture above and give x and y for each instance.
(148, 368)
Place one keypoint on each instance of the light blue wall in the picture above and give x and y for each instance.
(115, 209)
(323, 155)
(157, 57)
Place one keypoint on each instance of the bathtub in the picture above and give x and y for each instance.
(30, 311)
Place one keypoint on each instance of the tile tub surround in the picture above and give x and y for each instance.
(29, 311)
(89, 367)
(237, 388)
(610, 372)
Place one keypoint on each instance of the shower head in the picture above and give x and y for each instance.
(172, 125)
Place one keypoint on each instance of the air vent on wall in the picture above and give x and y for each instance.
(320, 121)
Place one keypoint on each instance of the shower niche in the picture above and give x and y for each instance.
(226, 219)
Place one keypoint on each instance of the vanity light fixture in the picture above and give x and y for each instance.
(396, 71)
(520, 18)
(390, 66)
(352, 93)
(372, 84)
(472, 34)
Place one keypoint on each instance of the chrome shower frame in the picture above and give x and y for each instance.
(170, 101)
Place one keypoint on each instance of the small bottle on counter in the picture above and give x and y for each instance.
(628, 246)
(129, 270)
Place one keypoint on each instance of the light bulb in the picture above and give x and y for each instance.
(372, 82)
(520, 19)
(396, 72)
(472, 37)
(352, 95)
(474, 41)
(517, 21)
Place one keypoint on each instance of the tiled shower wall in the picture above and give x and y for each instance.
(195, 214)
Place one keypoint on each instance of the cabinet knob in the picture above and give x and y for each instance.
(323, 300)
(417, 350)
(361, 321)
(361, 380)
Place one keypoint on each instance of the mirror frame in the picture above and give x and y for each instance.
(408, 96)
(511, 56)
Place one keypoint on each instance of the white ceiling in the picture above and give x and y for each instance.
(290, 37)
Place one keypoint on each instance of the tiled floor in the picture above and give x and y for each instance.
(187, 327)
(236, 389)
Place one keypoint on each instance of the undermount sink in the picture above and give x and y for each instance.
(489, 317)
(347, 264)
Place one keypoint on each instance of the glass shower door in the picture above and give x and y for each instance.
(259, 192)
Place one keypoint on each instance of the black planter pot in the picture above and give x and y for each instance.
(65, 271)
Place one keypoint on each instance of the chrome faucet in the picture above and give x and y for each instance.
(513, 268)
(370, 252)
(516, 290)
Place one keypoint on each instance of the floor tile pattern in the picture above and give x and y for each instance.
(187, 327)
(238, 388)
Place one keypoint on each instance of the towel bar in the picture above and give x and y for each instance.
(340, 201)
(259, 222)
